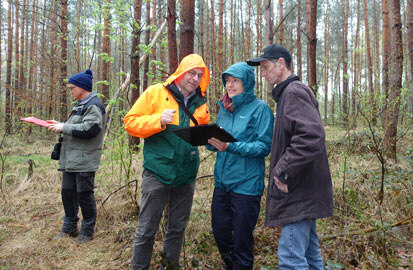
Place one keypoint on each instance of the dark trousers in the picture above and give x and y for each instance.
(77, 190)
(234, 217)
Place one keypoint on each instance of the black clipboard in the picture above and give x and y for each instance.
(199, 135)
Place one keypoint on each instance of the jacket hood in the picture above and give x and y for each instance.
(246, 74)
(189, 62)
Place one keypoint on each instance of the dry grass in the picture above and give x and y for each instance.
(31, 212)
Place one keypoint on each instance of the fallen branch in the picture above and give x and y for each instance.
(107, 198)
(359, 232)
(204, 176)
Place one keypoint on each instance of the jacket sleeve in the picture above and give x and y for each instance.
(89, 127)
(261, 145)
(302, 121)
(142, 121)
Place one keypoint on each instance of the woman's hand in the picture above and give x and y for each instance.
(218, 144)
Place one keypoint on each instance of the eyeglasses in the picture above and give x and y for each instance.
(193, 73)
(72, 87)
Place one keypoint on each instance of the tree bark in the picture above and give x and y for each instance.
(369, 64)
(187, 31)
(63, 63)
(311, 26)
(33, 59)
(298, 43)
(326, 57)
(9, 90)
(77, 53)
(395, 79)
(134, 75)
(268, 22)
(385, 57)
(345, 62)
(356, 64)
(172, 46)
(410, 49)
(220, 37)
(154, 45)
(281, 30)
(106, 51)
(17, 93)
(147, 40)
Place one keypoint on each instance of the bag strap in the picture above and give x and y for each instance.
(183, 107)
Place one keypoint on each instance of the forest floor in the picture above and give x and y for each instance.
(363, 234)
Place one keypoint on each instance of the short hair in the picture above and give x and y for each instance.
(287, 64)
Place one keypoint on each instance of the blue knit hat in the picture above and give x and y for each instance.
(83, 80)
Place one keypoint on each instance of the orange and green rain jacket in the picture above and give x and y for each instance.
(172, 160)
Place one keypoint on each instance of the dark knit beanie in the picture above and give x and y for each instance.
(83, 80)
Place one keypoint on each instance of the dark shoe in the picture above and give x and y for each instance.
(65, 234)
(83, 238)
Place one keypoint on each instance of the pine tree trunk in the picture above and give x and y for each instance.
(187, 31)
(154, 45)
(311, 26)
(17, 96)
(326, 57)
(172, 46)
(22, 67)
(410, 49)
(33, 59)
(395, 79)
(232, 31)
(260, 92)
(77, 53)
(298, 43)
(268, 38)
(248, 39)
(1, 35)
(369, 64)
(63, 60)
(385, 58)
(345, 62)
(147, 40)
(356, 64)
(134, 75)
(269, 22)
(106, 51)
(8, 121)
(52, 68)
(281, 30)
(220, 37)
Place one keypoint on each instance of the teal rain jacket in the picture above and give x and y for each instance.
(241, 167)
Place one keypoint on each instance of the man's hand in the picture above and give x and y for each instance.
(280, 185)
(219, 145)
(55, 126)
(166, 116)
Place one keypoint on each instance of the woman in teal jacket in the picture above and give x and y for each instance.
(240, 166)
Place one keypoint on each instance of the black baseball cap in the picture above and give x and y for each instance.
(273, 51)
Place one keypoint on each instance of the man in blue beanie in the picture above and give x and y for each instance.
(80, 157)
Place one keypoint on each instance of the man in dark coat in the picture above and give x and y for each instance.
(300, 188)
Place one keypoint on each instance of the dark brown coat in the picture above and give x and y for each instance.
(298, 158)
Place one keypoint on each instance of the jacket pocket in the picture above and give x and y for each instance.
(75, 159)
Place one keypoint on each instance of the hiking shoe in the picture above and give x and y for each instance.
(65, 234)
(83, 238)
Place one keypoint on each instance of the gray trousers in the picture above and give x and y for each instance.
(155, 195)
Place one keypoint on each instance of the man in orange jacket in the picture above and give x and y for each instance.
(170, 164)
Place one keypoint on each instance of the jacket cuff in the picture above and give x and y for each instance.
(280, 173)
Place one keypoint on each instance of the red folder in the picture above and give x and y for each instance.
(36, 121)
